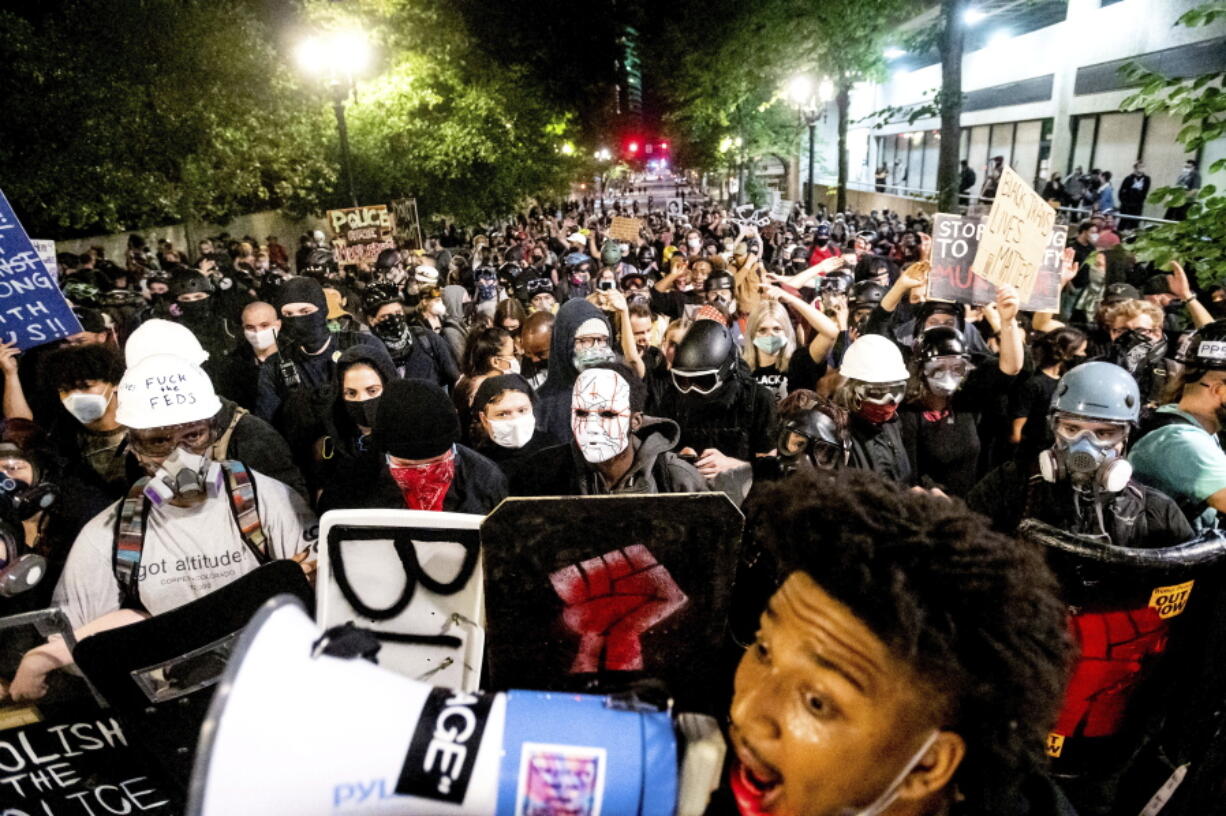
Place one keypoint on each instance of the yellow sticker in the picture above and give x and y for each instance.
(1171, 600)
(1055, 744)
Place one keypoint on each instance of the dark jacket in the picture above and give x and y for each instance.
(554, 395)
(513, 460)
(257, 444)
(880, 448)
(562, 470)
(738, 420)
(342, 440)
(365, 482)
(237, 375)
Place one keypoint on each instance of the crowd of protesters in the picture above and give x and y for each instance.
(798, 367)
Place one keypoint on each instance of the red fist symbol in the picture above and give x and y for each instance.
(611, 601)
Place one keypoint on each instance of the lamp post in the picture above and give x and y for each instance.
(810, 100)
(337, 57)
(603, 155)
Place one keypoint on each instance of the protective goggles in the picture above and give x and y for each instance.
(948, 366)
(195, 436)
(1104, 435)
(880, 393)
(698, 382)
(535, 286)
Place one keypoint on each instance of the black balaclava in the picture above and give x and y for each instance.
(308, 332)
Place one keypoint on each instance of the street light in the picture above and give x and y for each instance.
(973, 16)
(810, 99)
(337, 57)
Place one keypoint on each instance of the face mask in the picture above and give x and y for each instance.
(694, 244)
(195, 310)
(513, 367)
(821, 242)
(600, 415)
(877, 413)
(486, 291)
(306, 331)
(770, 343)
(87, 408)
(262, 339)
(393, 330)
(362, 412)
(586, 358)
(438, 308)
(725, 304)
(424, 487)
(944, 385)
(513, 433)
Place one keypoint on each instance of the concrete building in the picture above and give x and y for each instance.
(1042, 88)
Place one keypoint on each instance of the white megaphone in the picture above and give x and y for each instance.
(290, 731)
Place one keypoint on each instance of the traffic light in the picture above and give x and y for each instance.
(632, 147)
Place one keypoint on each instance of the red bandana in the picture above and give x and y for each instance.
(425, 486)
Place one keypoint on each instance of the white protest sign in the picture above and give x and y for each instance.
(46, 251)
(1016, 236)
(782, 210)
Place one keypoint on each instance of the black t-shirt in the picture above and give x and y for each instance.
(802, 372)
(1032, 400)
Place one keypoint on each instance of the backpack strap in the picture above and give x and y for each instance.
(130, 542)
(244, 503)
(222, 444)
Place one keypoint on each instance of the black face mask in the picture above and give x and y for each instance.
(821, 242)
(393, 330)
(196, 311)
(308, 332)
(362, 412)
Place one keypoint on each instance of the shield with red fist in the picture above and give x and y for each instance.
(592, 592)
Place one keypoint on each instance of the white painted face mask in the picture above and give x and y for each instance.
(513, 433)
(86, 408)
(262, 339)
(600, 414)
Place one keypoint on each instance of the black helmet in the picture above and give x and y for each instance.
(704, 358)
(826, 446)
(940, 341)
(189, 282)
(930, 307)
(378, 294)
(509, 270)
(319, 260)
(1206, 349)
(646, 255)
(387, 259)
(866, 293)
(718, 279)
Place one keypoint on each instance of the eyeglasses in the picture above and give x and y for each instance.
(699, 382)
(194, 436)
(585, 343)
(880, 393)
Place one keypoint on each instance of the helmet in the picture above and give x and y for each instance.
(81, 292)
(510, 270)
(318, 260)
(426, 274)
(611, 253)
(704, 358)
(157, 336)
(939, 341)
(873, 359)
(164, 390)
(1207, 347)
(188, 282)
(388, 258)
(837, 282)
(1098, 390)
(822, 231)
(718, 279)
(377, 295)
(866, 293)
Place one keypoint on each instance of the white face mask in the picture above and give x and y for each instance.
(694, 244)
(600, 414)
(513, 433)
(86, 408)
(438, 309)
(262, 339)
(513, 367)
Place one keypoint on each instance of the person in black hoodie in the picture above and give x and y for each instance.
(361, 377)
(416, 460)
(616, 449)
(581, 338)
(193, 294)
(506, 422)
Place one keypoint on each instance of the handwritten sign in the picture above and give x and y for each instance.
(782, 210)
(78, 768)
(625, 229)
(360, 233)
(1017, 233)
(33, 311)
(46, 251)
(406, 223)
(955, 240)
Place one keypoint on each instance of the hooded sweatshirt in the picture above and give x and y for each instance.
(554, 396)
(453, 322)
(562, 470)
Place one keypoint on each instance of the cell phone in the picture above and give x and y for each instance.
(606, 285)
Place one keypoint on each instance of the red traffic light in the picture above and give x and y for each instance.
(664, 145)
(633, 147)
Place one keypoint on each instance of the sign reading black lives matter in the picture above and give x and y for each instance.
(578, 590)
(955, 240)
(32, 309)
(360, 233)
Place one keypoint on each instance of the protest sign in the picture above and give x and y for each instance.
(782, 210)
(46, 251)
(955, 239)
(406, 224)
(625, 229)
(360, 233)
(32, 309)
(1016, 235)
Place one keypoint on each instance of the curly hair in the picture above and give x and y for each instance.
(977, 615)
(71, 367)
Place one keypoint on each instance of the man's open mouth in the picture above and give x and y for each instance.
(756, 777)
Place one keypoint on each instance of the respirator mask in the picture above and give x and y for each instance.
(190, 477)
(1090, 460)
(18, 502)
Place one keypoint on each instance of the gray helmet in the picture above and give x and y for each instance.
(1098, 390)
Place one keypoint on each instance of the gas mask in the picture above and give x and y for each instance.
(190, 477)
(18, 501)
(1091, 462)
(944, 375)
(877, 402)
(810, 439)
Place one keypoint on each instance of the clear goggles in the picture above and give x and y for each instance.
(951, 365)
(880, 393)
(699, 382)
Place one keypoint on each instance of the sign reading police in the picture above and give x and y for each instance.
(361, 233)
(32, 309)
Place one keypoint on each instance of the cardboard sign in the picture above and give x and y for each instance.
(360, 233)
(33, 311)
(955, 240)
(625, 229)
(606, 587)
(46, 251)
(1017, 233)
(406, 223)
(782, 210)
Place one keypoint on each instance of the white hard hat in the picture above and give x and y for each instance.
(163, 390)
(874, 359)
(158, 336)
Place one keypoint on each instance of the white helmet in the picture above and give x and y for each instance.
(158, 336)
(163, 390)
(874, 359)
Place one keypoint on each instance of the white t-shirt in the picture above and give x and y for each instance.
(188, 552)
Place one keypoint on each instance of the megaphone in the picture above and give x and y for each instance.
(294, 731)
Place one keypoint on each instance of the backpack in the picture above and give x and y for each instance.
(134, 513)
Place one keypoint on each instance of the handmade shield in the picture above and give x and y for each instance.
(588, 593)
(413, 579)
